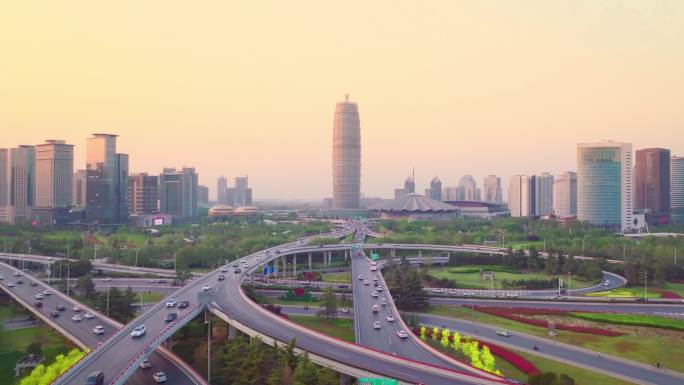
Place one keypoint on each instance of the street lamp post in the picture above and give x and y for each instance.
(645, 286)
(109, 284)
(207, 320)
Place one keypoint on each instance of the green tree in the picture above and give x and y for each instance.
(34, 348)
(305, 373)
(85, 286)
(328, 304)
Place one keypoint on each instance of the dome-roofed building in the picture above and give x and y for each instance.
(414, 206)
(246, 210)
(220, 211)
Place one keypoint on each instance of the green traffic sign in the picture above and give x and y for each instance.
(377, 381)
(375, 256)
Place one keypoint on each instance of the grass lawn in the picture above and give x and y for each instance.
(342, 328)
(13, 344)
(469, 276)
(342, 277)
(152, 297)
(634, 319)
(525, 245)
(9, 309)
(640, 344)
(581, 376)
(624, 292)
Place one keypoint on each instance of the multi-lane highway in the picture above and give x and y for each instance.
(82, 332)
(227, 297)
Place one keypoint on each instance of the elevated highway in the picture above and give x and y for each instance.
(226, 299)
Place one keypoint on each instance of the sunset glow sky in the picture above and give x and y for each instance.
(451, 87)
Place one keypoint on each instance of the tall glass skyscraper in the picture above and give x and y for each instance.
(346, 156)
(677, 189)
(107, 180)
(604, 184)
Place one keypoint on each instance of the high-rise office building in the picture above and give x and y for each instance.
(241, 194)
(221, 190)
(652, 180)
(543, 194)
(435, 190)
(565, 195)
(346, 156)
(5, 173)
(604, 184)
(521, 195)
(677, 189)
(178, 192)
(107, 180)
(469, 189)
(410, 185)
(54, 181)
(22, 179)
(121, 188)
(492, 189)
(451, 193)
(78, 197)
(203, 194)
(143, 193)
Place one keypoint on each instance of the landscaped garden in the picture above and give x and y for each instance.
(648, 345)
(477, 277)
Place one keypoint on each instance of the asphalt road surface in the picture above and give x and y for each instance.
(83, 330)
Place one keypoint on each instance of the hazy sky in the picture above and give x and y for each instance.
(450, 87)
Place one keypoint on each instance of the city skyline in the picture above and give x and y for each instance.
(245, 110)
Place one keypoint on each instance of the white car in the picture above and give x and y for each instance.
(11, 284)
(159, 377)
(503, 333)
(361, 277)
(171, 302)
(379, 288)
(76, 318)
(402, 334)
(40, 296)
(88, 315)
(376, 325)
(376, 308)
(145, 364)
(344, 310)
(99, 329)
(390, 318)
(437, 290)
(374, 294)
(47, 292)
(206, 287)
(224, 270)
(76, 308)
(107, 279)
(2, 277)
(383, 302)
(17, 274)
(139, 331)
(366, 282)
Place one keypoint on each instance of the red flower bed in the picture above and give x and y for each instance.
(531, 311)
(514, 358)
(675, 280)
(511, 315)
(669, 294)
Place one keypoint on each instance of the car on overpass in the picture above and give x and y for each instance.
(139, 331)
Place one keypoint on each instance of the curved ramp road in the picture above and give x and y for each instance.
(81, 333)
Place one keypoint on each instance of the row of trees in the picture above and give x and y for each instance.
(240, 362)
(121, 303)
(42, 375)
(479, 357)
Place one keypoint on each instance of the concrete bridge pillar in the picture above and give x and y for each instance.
(232, 332)
(420, 253)
(345, 379)
(275, 268)
(309, 260)
(393, 253)
(294, 265)
(284, 265)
